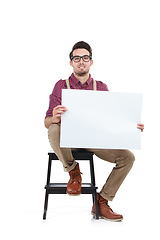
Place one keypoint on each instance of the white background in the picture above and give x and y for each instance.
(36, 38)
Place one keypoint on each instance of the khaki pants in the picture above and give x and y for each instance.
(123, 160)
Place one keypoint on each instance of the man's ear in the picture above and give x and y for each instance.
(91, 62)
(71, 63)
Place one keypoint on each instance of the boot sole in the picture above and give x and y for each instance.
(109, 219)
(73, 194)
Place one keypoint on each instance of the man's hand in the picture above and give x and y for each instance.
(56, 118)
(140, 126)
(57, 111)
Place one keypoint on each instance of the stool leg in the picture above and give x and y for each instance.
(92, 171)
(45, 205)
(48, 182)
(94, 195)
(96, 205)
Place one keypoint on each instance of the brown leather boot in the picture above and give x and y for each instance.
(105, 211)
(74, 184)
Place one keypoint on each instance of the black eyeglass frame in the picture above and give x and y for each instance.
(81, 57)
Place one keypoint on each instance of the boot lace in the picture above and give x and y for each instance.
(105, 202)
(75, 173)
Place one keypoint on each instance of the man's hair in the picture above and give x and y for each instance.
(81, 44)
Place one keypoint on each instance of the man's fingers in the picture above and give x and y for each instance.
(58, 115)
(60, 112)
(60, 107)
(140, 126)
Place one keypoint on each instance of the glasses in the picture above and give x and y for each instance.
(85, 58)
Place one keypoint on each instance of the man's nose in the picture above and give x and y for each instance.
(81, 60)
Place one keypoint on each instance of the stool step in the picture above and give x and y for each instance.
(60, 188)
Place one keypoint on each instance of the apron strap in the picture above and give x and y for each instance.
(94, 85)
(67, 82)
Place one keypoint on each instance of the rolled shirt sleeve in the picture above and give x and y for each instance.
(55, 97)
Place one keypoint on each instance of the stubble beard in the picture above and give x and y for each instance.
(81, 74)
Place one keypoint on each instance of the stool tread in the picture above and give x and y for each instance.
(64, 185)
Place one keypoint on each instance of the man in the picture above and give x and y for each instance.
(81, 61)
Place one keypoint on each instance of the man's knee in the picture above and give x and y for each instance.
(131, 156)
(127, 158)
(54, 132)
(54, 128)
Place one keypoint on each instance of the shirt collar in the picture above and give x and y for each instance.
(74, 81)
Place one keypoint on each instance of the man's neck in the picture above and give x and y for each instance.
(82, 79)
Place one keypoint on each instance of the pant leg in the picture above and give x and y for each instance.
(64, 154)
(124, 160)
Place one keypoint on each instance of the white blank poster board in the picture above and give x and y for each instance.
(100, 119)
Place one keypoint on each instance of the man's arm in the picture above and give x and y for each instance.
(56, 118)
(48, 121)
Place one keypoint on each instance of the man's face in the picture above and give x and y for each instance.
(81, 68)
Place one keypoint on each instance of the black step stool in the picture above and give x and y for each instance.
(60, 188)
